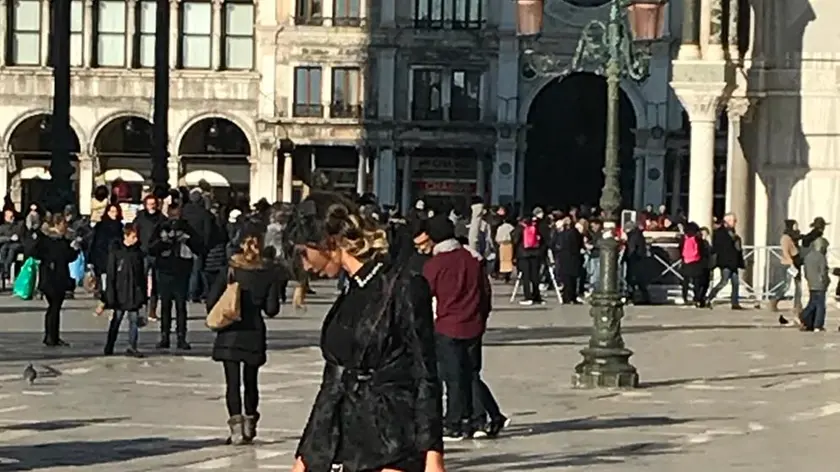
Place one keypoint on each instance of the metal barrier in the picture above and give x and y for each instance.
(762, 278)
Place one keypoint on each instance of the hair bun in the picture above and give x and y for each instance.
(337, 219)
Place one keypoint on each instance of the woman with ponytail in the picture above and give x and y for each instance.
(379, 406)
(241, 347)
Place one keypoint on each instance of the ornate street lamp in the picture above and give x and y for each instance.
(616, 49)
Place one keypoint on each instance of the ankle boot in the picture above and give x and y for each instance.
(250, 427)
(235, 423)
(164, 342)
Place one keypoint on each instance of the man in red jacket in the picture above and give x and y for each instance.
(462, 293)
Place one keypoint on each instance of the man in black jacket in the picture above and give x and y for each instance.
(175, 246)
(201, 220)
(729, 258)
(145, 223)
(530, 241)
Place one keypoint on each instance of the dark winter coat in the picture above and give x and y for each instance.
(200, 219)
(145, 223)
(125, 275)
(726, 246)
(169, 251)
(245, 340)
(105, 234)
(55, 253)
(567, 246)
(385, 403)
(519, 244)
(10, 229)
(216, 259)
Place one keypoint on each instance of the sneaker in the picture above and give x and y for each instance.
(133, 352)
(526, 302)
(453, 435)
(496, 426)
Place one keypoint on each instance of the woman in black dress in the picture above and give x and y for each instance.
(379, 405)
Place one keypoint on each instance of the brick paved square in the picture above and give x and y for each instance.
(721, 390)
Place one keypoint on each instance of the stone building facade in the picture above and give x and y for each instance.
(393, 97)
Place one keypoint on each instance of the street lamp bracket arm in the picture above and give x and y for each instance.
(594, 51)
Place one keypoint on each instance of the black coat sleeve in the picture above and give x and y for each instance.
(429, 403)
(110, 297)
(272, 299)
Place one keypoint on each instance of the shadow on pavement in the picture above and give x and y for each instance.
(499, 336)
(89, 453)
(538, 461)
(781, 376)
(27, 346)
(59, 425)
(593, 423)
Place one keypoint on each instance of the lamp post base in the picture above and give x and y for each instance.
(606, 362)
(605, 368)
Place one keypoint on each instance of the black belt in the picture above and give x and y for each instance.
(351, 379)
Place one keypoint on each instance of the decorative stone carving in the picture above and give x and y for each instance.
(700, 105)
(739, 108)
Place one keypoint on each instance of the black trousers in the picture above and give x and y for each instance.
(455, 370)
(530, 269)
(173, 291)
(570, 288)
(52, 318)
(238, 374)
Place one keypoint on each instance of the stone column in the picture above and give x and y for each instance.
(86, 176)
(676, 184)
(503, 183)
(732, 39)
(3, 36)
(738, 196)
(174, 165)
(480, 177)
(256, 181)
(386, 188)
(174, 24)
(288, 168)
(405, 197)
(87, 35)
(5, 159)
(216, 35)
(361, 172)
(712, 30)
(131, 12)
(639, 181)
(690, 47)
(327, 12)
(375, 172)
(654, 178)
(702, 108)
(45, 31)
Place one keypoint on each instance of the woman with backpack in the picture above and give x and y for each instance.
(695, 262)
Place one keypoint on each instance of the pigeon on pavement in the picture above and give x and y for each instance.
(30, 374)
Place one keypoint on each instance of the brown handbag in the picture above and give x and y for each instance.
(226, 311)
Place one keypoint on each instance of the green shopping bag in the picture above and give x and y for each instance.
(25, 282)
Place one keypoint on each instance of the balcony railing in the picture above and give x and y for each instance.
(308, 110)
(309, 20)
(420, 113)
(436, 24)
(464, 113)
(343, 110)
(346, 21)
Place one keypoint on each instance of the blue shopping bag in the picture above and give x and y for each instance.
(24, 286)
(77, 269)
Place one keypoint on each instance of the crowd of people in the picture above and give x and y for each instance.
(411, 311)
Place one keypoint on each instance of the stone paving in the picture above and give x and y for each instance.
(730, 390)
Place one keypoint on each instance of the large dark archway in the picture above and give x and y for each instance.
(216, 151)
(566, 140)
